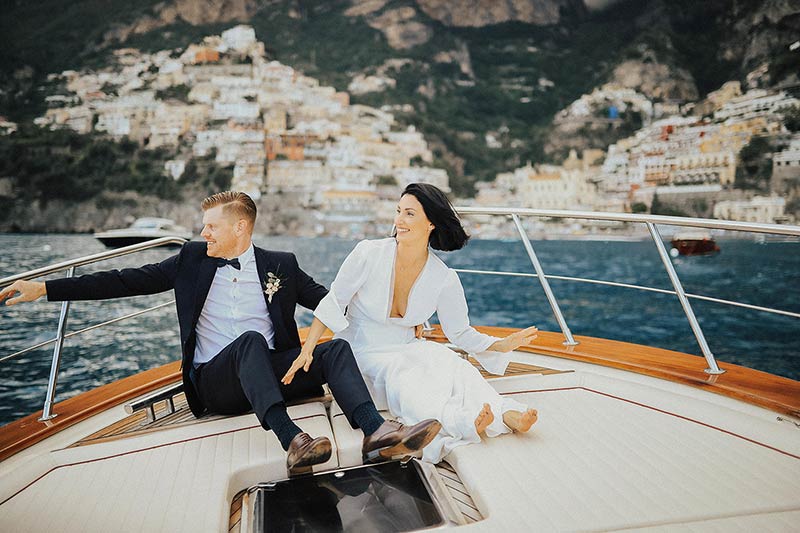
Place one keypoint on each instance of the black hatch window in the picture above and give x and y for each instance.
(381, 498)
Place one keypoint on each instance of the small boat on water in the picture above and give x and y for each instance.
(630, 437)
(143, 229)
(693, 243)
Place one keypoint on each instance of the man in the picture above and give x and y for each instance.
(236, 305)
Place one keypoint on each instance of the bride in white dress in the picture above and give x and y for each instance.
(387, 287)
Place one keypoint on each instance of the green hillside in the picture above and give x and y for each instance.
(508, 61)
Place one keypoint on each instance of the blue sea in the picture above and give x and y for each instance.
(763, 274)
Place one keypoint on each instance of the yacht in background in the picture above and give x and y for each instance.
(143, 229)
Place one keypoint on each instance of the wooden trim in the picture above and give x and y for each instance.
(775, 393)
(235, 517)
(25, 432)
(772, 392)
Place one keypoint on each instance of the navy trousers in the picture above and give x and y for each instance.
(246, 376)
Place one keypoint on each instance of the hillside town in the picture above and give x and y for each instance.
(680, 158)
(338, 168)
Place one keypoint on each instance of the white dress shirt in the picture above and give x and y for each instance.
(235, 304)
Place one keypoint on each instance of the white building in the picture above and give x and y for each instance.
(239, 38)
(760, 209)
(175, 168)
(551, 187)
(322, 128)
(352, 179)
(434, 176)
(411, 142)
(754, 103)
(299, 176)
(235, 110)
(248, 177)
(115, 124)
(362, 84)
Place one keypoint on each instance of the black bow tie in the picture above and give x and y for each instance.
(232, 262)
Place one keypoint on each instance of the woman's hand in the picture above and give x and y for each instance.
(303, 361)
(515, 340)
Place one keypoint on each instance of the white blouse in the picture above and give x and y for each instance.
(358, 305)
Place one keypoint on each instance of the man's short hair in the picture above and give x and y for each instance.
(233, 202)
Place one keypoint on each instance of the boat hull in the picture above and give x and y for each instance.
(119, 242)
(695, 247)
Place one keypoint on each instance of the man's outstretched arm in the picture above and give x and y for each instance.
(148, 279)
(23, 291)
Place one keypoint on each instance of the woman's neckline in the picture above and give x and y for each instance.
(413, 285)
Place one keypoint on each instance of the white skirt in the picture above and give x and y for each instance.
(424, 379)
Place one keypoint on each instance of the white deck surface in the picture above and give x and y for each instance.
(611, 451)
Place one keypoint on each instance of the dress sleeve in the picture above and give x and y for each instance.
(352, 275)
(454, 318)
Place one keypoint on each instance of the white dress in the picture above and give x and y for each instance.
(415, 378)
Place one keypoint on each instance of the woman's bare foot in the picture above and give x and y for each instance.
(520, 422)
(485, 417)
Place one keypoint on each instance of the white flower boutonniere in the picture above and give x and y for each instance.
(272, 284)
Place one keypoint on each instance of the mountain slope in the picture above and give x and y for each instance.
(464, 75)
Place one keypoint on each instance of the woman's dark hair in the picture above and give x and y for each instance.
(448, 233)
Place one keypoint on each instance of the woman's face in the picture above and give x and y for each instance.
(411, 223)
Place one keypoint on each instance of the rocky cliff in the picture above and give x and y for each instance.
(657, 81)
(106, 211)
(478, 13)
(757, 34)
(194, 12)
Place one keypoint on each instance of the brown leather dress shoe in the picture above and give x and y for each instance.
(395, 439)
(304, 452)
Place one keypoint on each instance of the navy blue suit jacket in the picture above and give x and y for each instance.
(190, 274)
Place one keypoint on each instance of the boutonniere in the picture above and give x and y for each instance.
(272, 284)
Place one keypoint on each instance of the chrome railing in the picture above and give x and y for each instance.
(61, 334)
(650, 222)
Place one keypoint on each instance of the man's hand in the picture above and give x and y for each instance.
(26, 291)
(419, 330)
(303, 361)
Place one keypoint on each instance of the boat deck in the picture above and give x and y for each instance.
(612, 450)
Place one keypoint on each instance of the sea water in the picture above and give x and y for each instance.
(761, 274)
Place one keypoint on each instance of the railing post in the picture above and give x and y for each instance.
(545, 284)
(713, 368)
(56, 363)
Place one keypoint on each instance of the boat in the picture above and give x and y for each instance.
(143, 229)
(629, 436)
(694, 243)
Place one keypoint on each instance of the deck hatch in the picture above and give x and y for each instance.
(385, 497)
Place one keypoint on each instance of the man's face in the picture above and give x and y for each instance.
(221, 232)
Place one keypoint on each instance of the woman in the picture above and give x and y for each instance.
(382, 291)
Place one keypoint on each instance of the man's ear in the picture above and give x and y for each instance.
(241, 226)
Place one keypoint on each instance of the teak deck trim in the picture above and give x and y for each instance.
(776, 393)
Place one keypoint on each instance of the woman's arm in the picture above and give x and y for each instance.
(306, 352)
(329, 313)
(351, 276)
(454, 318)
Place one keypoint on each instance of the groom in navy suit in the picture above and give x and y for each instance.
(241, 349)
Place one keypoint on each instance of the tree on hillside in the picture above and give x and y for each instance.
(791, 119)
(755, 164)
(660, 208)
